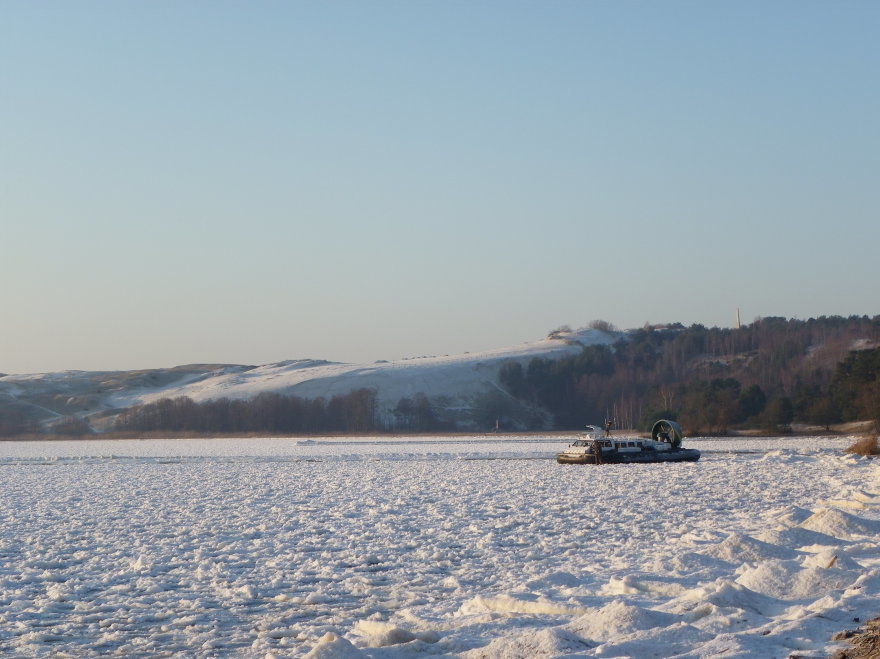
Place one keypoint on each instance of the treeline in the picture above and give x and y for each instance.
(767, 374)
(273, 413)
(15, 423)
(267, 412)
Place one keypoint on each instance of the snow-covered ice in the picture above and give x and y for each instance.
(462, 547)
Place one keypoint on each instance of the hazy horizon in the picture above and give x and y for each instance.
(248, 183)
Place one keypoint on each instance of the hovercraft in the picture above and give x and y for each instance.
(597, 446)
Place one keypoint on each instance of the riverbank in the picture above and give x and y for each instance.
(841, 429)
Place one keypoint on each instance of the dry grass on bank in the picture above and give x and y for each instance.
(865, 446)
(865, 642)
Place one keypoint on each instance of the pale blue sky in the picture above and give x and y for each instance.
(255, 181)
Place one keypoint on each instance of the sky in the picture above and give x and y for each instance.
(231, 182)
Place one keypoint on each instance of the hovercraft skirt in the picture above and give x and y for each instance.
(646, 457)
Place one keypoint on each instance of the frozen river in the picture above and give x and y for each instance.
(464, 547)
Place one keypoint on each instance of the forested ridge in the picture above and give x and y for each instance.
(767, 375)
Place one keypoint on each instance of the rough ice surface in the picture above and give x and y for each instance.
(458, 547)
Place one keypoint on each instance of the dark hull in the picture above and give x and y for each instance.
(643, 457)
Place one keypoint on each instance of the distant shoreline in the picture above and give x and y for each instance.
(853, 428)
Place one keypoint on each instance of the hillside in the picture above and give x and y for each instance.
(768, 375)
(455, 383)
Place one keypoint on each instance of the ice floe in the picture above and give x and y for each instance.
(458, 547)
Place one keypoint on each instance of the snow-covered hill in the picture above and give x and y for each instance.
(459, 380)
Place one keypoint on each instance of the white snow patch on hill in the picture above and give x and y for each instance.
(456, 376)
(457, 380)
